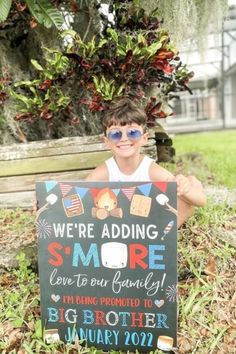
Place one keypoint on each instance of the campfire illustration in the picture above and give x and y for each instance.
(106, 205)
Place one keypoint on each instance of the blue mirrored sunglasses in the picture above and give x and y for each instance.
(131, 133)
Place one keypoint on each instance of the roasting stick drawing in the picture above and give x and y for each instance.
(162, 199)
(51, 199)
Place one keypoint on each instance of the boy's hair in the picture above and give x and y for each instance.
(124, 112)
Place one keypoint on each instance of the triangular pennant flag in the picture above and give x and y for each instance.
(81, 191)
(145, 188)
(94, 191)
(50, 185)
(161, 185)
(65, 189)
(116, 191)
(128, 192)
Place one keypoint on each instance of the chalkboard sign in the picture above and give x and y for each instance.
(107, 256)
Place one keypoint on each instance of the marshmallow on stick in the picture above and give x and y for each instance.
(162, 199)
(51, 199)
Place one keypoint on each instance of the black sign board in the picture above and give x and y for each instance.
(107, 256)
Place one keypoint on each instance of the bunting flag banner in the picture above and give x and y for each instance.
(65, 189)
(161, 185)
(145, 189)
(50, 185)
(94, 192)
(116, 191)
(128, 192)
(81, 191)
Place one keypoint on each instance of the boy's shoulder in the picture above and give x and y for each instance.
(159, 173)
(100, 173)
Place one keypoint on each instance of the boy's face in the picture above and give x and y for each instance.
(126, 140)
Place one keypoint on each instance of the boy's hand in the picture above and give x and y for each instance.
(183, 185)
(190, 189)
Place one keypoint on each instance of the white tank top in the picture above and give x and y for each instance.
(141, 174)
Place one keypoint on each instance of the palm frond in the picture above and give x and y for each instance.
(45, 13)
(5, 6)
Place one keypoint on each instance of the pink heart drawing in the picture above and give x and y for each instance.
(55, 298)
(159, 303)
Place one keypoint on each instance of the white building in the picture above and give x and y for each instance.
(213, 103)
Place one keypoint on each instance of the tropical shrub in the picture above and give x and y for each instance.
(124, 52)
(135, 58)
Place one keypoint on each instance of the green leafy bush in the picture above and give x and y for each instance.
(135, 58)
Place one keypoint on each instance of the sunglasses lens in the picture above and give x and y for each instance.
(134, 134)
(114, 135)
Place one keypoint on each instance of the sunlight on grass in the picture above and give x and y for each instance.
(218, 150)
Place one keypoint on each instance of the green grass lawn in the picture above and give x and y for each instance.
(217, 152)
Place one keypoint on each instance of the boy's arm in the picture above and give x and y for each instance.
(100, 173)
(189, 188)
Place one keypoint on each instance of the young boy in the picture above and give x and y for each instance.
(125, 133)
